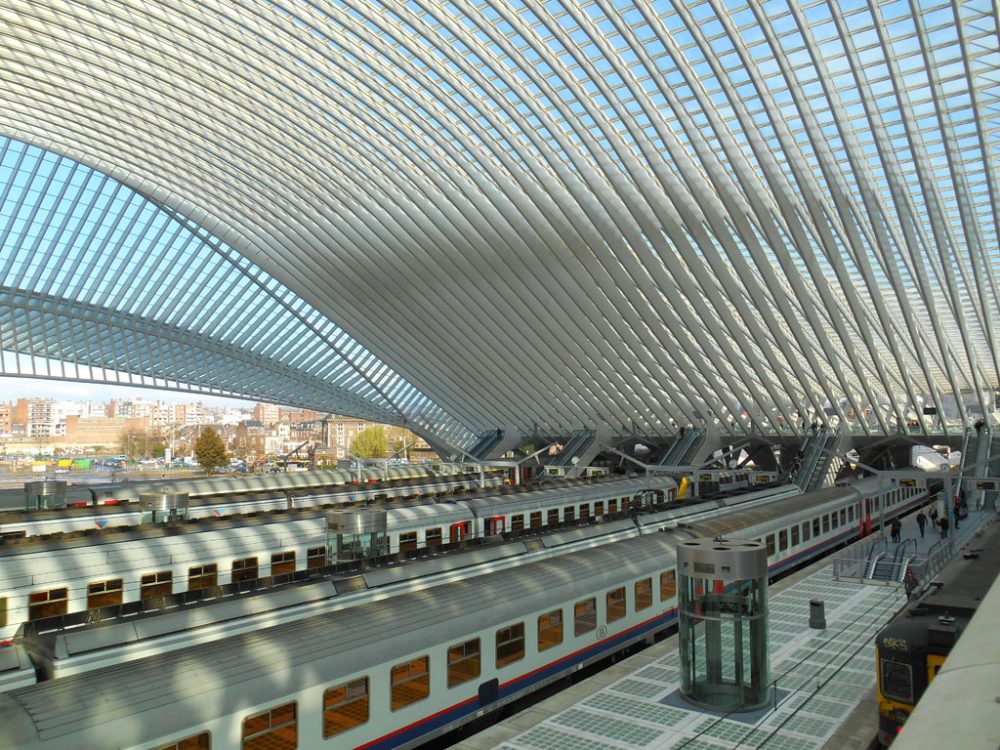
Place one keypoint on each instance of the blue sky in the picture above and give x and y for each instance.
(66, 390)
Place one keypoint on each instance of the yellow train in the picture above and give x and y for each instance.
(912, 647)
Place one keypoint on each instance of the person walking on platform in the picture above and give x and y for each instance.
(921, 522)
(910, 583)
(895, 529)
(943, 525)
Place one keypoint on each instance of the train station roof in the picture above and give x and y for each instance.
(466, 215)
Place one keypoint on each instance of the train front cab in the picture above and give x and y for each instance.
(909, 652)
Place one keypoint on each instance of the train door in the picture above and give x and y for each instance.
(457, 532)
(866, 519)
(494, 525)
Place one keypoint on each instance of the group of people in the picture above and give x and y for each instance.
(931, 517)
(896, 527)
(935, 519)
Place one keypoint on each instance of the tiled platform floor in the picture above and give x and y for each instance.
(825, 674)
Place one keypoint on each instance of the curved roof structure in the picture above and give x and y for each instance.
(465, 216)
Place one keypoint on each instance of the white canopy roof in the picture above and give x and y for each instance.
(465, 216)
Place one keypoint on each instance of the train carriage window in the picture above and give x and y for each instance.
(612, 506)
(553, 518)
(104, 593)
(626, 505)
(3, 611)
(850, 514)
(815, 527)
(569, 513)
(411, 682)
(156, 584)
(201, 741)
(432, 537)
(407, 541)
(826, 524)
(203, 577)
(245, 569)
(833, 520)
(876, 503)
(510, 644)
(345, 707)
(782, 540)
(795, 535)
(584, 512)
(643, 594)
(550, 629)
(463, 662)
(315, 558)
(598, 510)
(283, 563)
(769, 541)
(668, 585)
(615, 604)
(517, 522)
(276, 729)
(584, 616)
(805, 532)
(47, 603)
(536, 519)
(843, 516)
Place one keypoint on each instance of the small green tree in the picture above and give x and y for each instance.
(210, 450)
(370, 443)
(138, 443)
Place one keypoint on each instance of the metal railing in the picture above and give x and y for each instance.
(938, 556)
(856, 562)
(904, 555)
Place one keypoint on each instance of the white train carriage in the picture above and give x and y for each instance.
(53, 579)
(563, 505)
(799, 529)
(445, 653)
(208, 502)
(395, 674)
(414, 527)
(45, 581)
(50, 580)
(81, 649)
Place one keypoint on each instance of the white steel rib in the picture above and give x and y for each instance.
(461, 216)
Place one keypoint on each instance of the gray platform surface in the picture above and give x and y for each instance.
(829, 677)
(824, 673)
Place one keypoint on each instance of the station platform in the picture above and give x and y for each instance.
(825, 680)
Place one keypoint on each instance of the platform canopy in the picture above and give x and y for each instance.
(464, 216)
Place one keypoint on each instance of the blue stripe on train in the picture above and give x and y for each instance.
(470, 706)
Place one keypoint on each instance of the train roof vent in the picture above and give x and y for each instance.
(534, 545)
(347, 585)
(357, 521)
(942, 635)
(164, 501)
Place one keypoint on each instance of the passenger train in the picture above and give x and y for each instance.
(110, 506)
(403, 670)
(93, 576)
